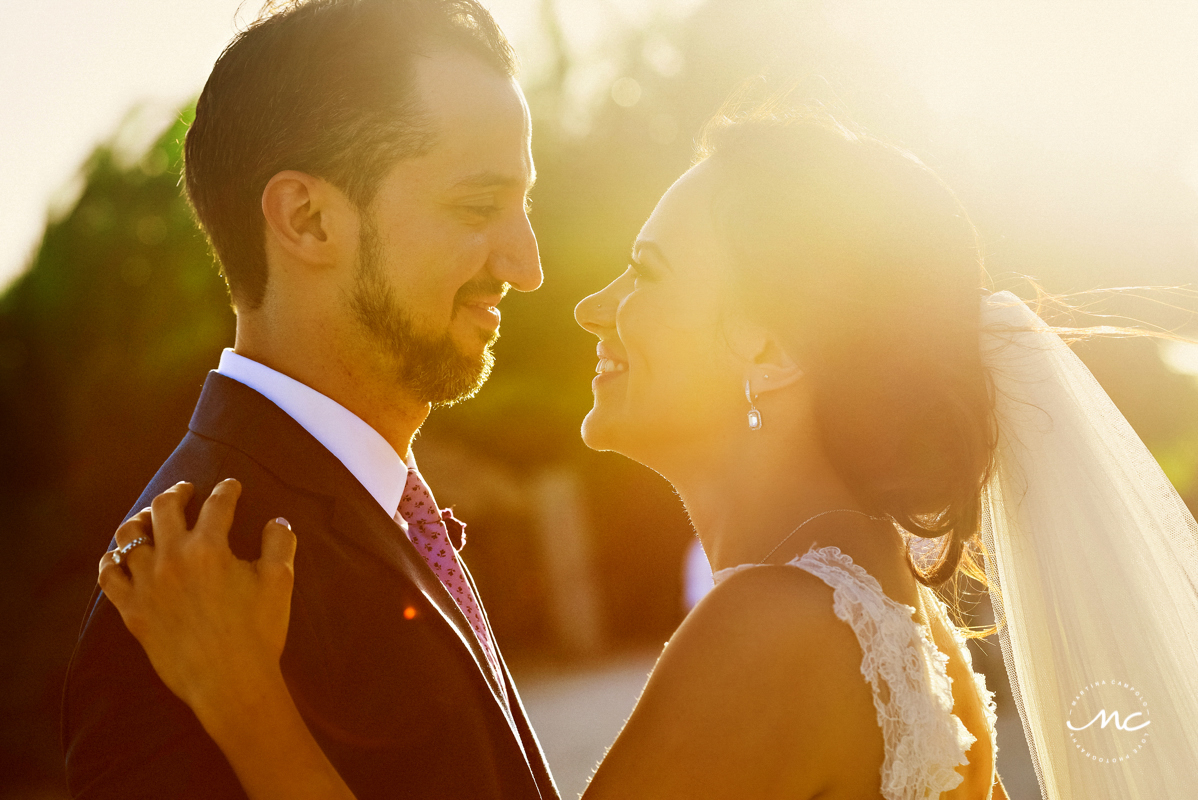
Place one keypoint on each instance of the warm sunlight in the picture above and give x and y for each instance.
(294, 295)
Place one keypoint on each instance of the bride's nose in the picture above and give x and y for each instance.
(596, 312)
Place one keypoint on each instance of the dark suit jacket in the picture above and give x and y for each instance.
(403, 707)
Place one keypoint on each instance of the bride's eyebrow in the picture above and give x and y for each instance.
(644, 247)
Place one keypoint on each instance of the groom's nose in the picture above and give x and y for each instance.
(515, 258)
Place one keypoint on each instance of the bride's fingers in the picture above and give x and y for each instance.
(167, 513)
(277, 561)
(137, 525)
(113, 581)
(216, 515)
(134, 529)
(119, 589)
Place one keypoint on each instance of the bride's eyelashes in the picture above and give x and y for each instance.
(640, 272)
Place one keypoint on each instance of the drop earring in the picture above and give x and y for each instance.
(754, 414)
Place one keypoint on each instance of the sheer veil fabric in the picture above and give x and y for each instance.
(1092, 559)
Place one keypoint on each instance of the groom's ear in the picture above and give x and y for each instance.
(307, 218)
(764, 357)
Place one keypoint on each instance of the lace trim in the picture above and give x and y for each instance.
(989, 706)
(907, 674)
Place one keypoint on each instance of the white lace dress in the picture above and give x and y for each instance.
(912, 691)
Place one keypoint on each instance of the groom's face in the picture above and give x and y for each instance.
(448, 234)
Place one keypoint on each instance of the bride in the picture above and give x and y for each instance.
(802, 346)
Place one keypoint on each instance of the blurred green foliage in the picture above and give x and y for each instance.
(104, 342)
(106, 339)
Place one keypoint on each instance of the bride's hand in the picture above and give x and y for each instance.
(212, 625)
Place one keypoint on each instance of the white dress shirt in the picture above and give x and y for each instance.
(363, 451)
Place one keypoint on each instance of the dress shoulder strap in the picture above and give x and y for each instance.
(907, 674)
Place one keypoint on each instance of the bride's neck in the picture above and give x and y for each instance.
(748, 498)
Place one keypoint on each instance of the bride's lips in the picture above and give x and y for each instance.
(612, 364)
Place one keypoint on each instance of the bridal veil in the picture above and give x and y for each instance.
(1092, 560)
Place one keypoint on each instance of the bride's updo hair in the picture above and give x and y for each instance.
(865, 262)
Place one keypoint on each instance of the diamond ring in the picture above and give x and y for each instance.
(121, 553)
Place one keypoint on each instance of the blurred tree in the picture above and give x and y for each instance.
(1160, 404)
(105, 341)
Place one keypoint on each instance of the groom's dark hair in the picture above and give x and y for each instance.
(325, 87)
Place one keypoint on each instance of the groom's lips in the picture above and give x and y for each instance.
(484, 310)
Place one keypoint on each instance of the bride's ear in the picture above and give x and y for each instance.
(764, 357)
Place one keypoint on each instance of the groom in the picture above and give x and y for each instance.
(361, 168)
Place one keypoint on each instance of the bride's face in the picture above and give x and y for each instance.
(667, 380)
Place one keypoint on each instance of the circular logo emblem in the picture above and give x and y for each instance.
(1109, 721)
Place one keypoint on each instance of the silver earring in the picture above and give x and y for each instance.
(754, 414)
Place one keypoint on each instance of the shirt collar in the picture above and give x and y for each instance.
(363, 451)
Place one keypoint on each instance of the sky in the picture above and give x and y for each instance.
(72, 70)
(1102, 79)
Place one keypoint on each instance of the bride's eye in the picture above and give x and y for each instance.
(640, 272)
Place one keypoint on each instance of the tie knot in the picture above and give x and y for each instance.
(418, 507)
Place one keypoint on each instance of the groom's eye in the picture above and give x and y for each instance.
(477, 207)
(479, 212)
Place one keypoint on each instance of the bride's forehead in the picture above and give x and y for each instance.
(684, 213)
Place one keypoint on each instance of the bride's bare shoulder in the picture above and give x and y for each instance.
(761, 672)
(786, 587)
(781, 615)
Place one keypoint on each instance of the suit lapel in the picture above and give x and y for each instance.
(234, 414)
(368, 524)
(529, 742)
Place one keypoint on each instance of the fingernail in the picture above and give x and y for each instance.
(283, 522)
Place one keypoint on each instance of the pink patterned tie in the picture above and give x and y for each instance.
(428, 532)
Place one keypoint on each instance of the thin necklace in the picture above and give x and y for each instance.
(817, 516)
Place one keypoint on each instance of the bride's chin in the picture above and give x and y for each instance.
(591, 431)
(599, 432)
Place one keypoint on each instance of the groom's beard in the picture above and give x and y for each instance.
(432, 368)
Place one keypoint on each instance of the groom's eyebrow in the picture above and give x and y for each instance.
(489, 180)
